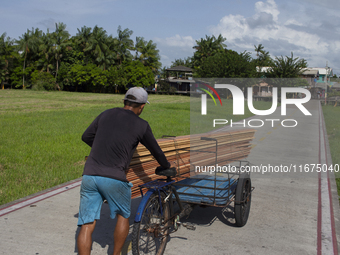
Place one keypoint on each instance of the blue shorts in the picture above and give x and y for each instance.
(93, 191)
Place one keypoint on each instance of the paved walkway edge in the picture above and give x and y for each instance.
(328, 225)
(29, 200)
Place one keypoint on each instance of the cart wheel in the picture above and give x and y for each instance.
(150, 235)
(242, 200)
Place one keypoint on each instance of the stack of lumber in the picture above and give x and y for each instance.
(186, 152)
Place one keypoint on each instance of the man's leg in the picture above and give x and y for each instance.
(84, 240)
(120, 234)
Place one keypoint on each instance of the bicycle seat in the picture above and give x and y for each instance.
(169, 172)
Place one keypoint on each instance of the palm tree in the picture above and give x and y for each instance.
(287, 67)
(259, 49)
(263, 58)
(7, 54)
(149, 55)
(98, 45)
(83, 36)
(210, 45)
(124, 44)
(27, 43)
(182, 62)
(207, 47)
(140, 42)
(46, 51)
(60, 40)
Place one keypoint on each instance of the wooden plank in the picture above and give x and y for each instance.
(186, 151)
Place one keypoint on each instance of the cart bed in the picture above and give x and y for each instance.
(200, 190)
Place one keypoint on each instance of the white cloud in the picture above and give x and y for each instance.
(292, 22)
(177, 41)
(164, 57)
(174, 47)
(49, 24)
(269, 7)
(278, 37)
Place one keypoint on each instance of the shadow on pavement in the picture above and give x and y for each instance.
(103, 233)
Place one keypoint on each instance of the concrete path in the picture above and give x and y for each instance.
(291, 213)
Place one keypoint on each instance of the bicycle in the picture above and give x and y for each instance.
(156, 217)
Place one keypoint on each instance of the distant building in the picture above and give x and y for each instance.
(310, 75)
(319, 75)
(315, 76)
(263, 69)
(183, 78)
(262, 89)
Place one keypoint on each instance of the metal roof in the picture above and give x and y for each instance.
(322, 70)
(179, 69)
(263, 69)
(313, 72)
(181, 80)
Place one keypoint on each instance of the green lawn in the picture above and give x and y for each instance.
(40, 138)
(332, 119)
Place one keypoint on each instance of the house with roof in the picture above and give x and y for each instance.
(320, 74)
(262, 89)
(183, 78)
(310, 76)
(318, 79)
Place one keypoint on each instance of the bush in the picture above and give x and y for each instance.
(163, 86)
(43, 81)
(333, 94)
(172, 89)
(138, 75)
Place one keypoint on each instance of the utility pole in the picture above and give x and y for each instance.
(326, 83)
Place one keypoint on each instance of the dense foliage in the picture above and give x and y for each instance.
(212, 59)
(94, 61)
(227, 64)
(91, 60)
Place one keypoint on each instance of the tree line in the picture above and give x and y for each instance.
(211, 58)
(94, 61)
(91, 60)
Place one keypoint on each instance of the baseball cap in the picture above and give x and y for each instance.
(140, 95)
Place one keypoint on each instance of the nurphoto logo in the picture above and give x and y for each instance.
(238, 100)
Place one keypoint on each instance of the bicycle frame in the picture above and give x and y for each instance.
(158, 186)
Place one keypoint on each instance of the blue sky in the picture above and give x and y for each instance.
(308, 28)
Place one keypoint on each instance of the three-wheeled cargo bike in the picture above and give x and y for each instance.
(166, 201)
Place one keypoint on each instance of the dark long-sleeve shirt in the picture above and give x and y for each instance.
(114, 136)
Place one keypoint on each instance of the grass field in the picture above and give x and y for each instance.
(332, 119)
(40, 138)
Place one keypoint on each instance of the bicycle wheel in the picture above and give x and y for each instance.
(242, 200)
(150, 235)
